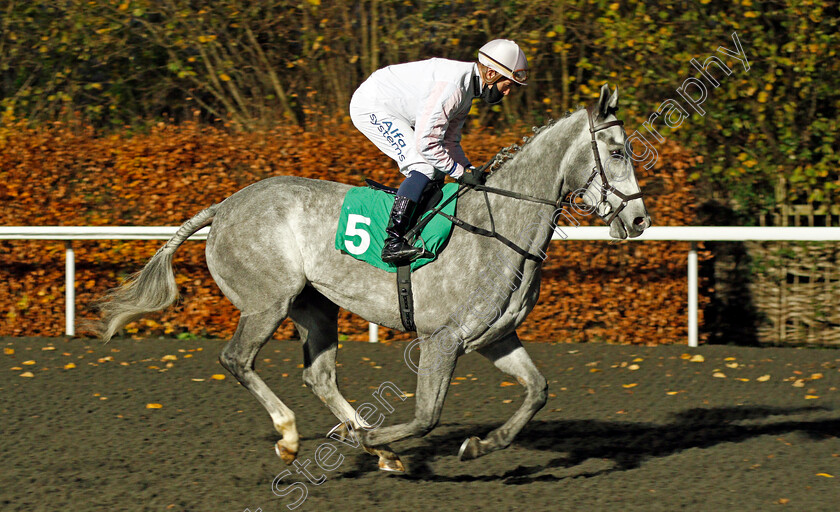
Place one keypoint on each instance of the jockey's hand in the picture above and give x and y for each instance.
(472, 176)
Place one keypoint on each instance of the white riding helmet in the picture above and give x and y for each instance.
(505, 57)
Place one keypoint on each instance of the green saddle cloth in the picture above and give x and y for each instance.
(364, 217)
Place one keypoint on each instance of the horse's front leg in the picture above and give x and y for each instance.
(433, 376)
(510, 356)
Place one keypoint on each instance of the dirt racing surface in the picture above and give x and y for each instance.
(152, 425)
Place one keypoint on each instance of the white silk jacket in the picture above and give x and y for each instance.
(434, 96)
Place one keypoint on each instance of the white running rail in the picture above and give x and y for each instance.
(666, 233)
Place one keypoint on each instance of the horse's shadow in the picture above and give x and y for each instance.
(627, 445)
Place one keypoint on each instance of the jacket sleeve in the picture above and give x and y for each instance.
(438, 130)
(452, 140)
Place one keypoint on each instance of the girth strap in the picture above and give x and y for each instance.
(405, 297)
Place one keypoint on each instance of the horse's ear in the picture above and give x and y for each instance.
(607, 103)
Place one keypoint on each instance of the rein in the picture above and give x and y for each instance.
(597, 170)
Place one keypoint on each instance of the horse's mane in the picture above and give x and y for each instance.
(511, 151)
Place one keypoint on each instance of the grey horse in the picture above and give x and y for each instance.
(270, 250)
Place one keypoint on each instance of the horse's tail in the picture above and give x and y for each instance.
(151, 289)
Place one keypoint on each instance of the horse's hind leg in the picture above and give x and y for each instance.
(316, 318)
(510, 356)
(238, 358)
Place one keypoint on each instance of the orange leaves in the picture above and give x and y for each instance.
(64, 174)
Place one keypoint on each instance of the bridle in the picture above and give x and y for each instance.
(563, 201)
(599, 170)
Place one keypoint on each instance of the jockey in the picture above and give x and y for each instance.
(414, 113)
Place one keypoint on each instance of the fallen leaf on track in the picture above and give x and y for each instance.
(217, 376)
(811, 397)
(826, 475)
(697, 359)
(628, 386)
(505, 384)
(26, 374)
(30, 362)
(763, 378)
(633, 367)
(153, 406)
(719, 375)
(8, 351)
(69, 366)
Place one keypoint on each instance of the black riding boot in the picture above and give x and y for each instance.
(397, 249)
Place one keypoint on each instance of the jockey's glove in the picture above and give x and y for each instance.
(472, 176)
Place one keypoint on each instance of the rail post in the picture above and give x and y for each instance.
(69, 289)
(692, 296)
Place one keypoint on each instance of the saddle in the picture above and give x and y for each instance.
(431, 196)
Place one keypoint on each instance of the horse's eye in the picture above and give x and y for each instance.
(616, 152)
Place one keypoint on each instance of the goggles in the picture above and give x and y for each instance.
(519, 75)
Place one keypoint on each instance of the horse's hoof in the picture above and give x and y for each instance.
(391, 465)
(470, 449)
(287, 456)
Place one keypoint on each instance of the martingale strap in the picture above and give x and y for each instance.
(491, 233)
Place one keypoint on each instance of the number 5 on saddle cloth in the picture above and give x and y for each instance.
(361, 232)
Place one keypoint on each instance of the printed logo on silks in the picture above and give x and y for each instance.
(391, 134)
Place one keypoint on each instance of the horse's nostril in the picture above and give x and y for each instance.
(639, 221)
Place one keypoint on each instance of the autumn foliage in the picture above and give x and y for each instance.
(61, 174)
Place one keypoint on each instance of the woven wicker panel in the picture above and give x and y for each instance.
(796, 291)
